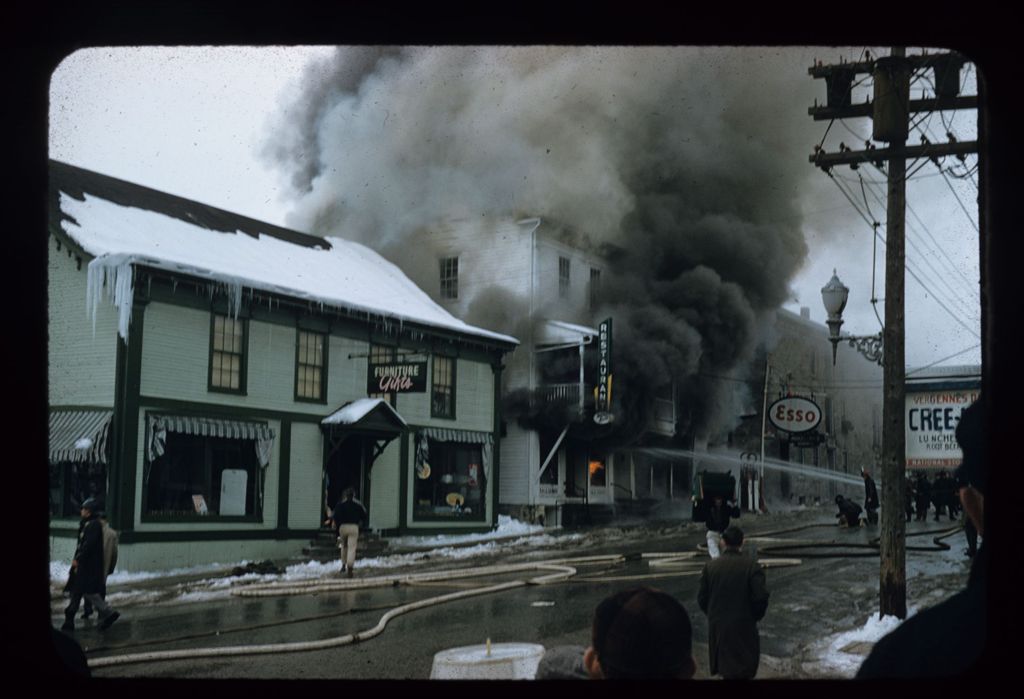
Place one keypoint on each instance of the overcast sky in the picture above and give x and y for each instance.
(197, 121)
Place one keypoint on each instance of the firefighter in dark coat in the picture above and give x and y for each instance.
(870, 497)
(734, 595)
(942, 488)
(923, 494)
(87, 577)
(908, 496)
(849, 512)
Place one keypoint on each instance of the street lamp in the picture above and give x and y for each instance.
(834, 296)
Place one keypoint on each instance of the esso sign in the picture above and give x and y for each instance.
(794, 414)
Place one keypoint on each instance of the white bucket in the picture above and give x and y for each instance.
(498, 661)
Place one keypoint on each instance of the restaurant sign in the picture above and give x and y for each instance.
(397, 377)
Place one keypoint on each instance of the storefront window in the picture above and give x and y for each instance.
(450, 485)
(74, 482)
(201, 475)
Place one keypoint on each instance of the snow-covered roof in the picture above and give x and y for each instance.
(130, 224)
(355, 411)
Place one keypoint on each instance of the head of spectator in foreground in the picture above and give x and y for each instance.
(732, 537)
(640, 633)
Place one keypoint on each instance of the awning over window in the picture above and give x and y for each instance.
(160, 425)
(441, 434)
(79, 435)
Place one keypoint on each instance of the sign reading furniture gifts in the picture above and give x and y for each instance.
(397, 377)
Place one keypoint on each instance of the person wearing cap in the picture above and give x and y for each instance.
(734, 595)
(87, 569)
(923, 645)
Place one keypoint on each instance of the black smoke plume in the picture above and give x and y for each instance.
(690, 161)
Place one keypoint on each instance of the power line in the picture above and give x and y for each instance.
(971, 291)
(939, 361)
(909, 269)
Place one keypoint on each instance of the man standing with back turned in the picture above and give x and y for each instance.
(734, 595)
(347, 515)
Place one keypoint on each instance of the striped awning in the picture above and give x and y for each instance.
(443, 434)
(160, 425)
(79, 435)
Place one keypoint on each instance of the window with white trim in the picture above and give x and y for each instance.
(442, 388)
(310, 366)
(449, 277)
(227, 354)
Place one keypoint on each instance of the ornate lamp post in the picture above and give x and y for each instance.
(834, 296)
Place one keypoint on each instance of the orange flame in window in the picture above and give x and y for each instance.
(595, 466)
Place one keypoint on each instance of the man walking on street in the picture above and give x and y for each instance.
(87, 575)
(717, 521)
(734, 595)
(110, 538)
(346, 517)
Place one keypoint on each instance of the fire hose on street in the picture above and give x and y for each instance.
(554, 571)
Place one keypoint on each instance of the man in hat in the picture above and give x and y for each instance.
(88, 573)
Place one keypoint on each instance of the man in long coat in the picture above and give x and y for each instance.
(87, 578)
(734, 595)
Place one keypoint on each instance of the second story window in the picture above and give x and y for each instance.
(449, 277)
(563, 277)
(227, 354)
(595, 286)
(310, 366)
(442, 391)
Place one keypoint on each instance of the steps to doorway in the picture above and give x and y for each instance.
(325, 546)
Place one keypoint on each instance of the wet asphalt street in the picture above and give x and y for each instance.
(833, 588)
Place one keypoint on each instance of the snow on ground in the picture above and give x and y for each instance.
(509, 534)
(829, 659)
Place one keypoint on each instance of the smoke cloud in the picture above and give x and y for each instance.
(691, 162)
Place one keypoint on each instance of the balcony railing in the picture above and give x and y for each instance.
(562, 392)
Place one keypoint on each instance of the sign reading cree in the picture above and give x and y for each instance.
(397, 377)
(931, 420)
(794, 414)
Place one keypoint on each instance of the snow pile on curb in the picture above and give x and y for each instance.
(833, 654)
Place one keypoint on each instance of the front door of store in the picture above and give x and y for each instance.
(345, 468)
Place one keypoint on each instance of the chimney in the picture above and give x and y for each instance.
(805, 312)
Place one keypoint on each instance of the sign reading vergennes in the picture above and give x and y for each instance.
(397, 377)
(931, 419)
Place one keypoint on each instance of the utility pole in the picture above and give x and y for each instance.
(892, 90)
(890, 112)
